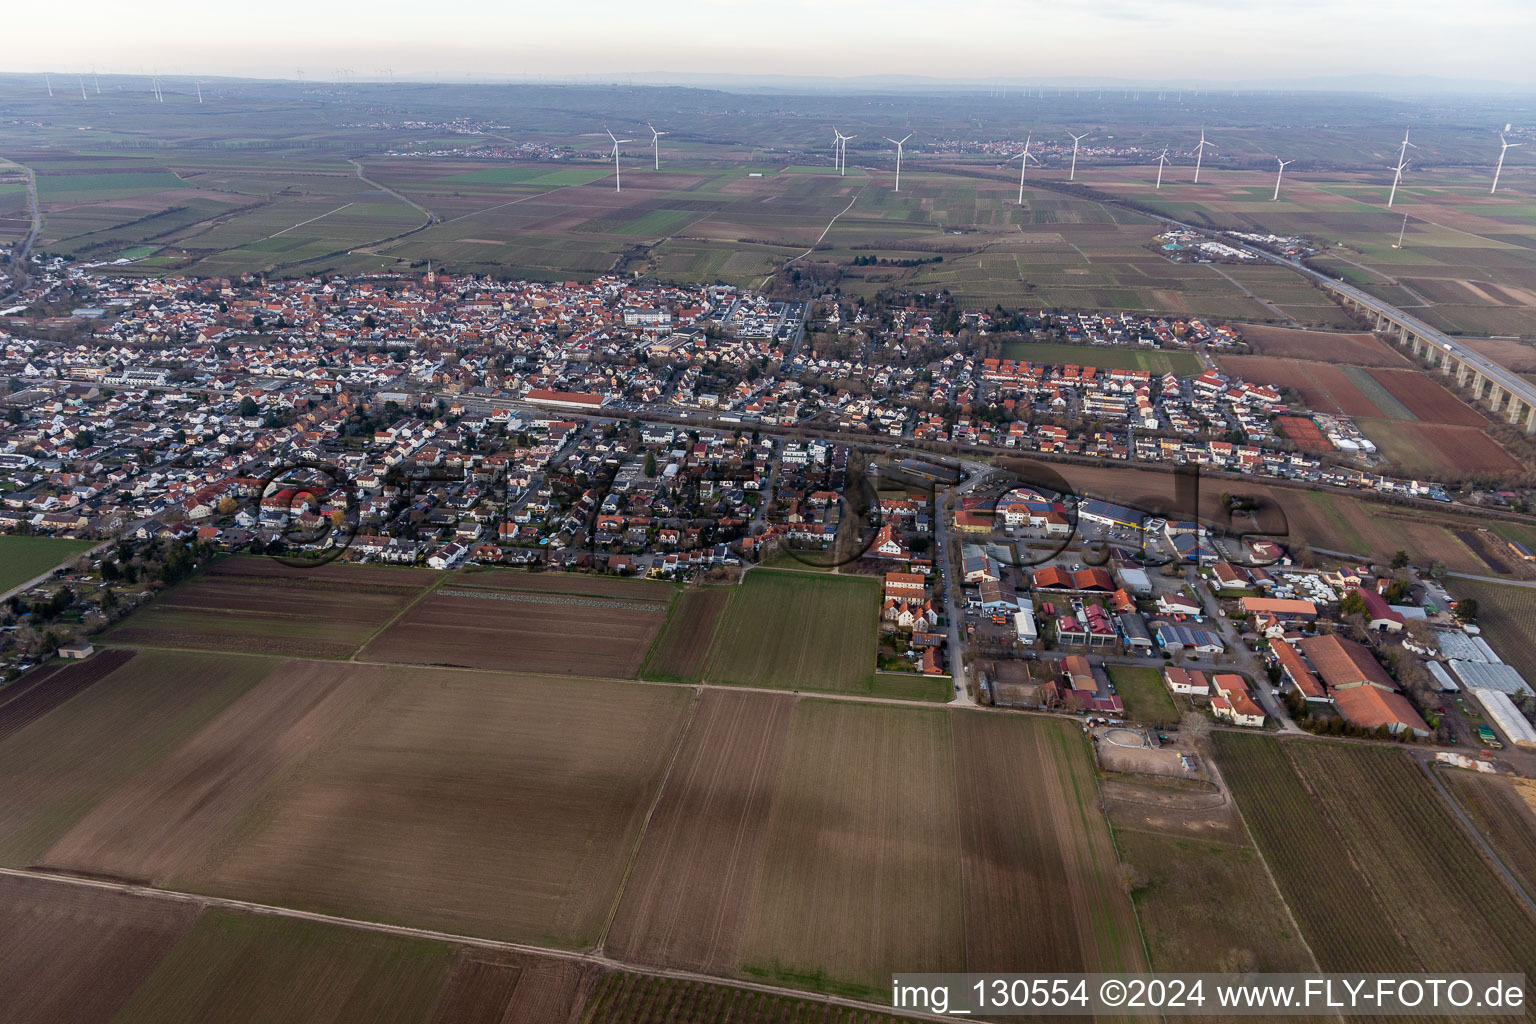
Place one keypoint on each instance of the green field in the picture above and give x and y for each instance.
(1370, 860)
(249, 967)
(22, 558)
(797, 631)
(1103, 357)
(1142, 691)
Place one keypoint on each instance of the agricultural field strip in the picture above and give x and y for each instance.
(583, 602)
(404, 931)
(1477, 835)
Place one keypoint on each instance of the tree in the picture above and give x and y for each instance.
(248, 406)
(650, 464)
(84, 439)
(1352, 604)
(1400, 560)
(1466, 609)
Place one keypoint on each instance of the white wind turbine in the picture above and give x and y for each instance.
(837, 148)
(82, 87)
(1200, 153)
(616, 143)
(844, 167)
(1402, 162)
(656, 143)
(1507, 146)
(1075, 140)
(48, 82)
(1024, 158)
(1162, 161)
(199, 85)
(1283, 165)
(898, 145)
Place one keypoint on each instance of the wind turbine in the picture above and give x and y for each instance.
(1402, 161)
(1024, 158)
(898, 146)
(1162, 161)
(845, 138)
(82, 87)
(837, 148)
(96, 80)
(1506, 147)
(655, 143)
(1200, 153)
(199, 85)
(616, 143)
(1075, 140)
(48, 82)
(1283, 165)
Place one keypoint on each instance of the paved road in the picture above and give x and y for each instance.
(956, 642)
(596, 959)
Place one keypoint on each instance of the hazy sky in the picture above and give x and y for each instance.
(1024, 39)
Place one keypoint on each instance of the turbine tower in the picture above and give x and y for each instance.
(898, 145)
(1506, 147)
(1075, 140)
(82, 87)
(616, 142)
(1162, 161)
(1200, 153)
(48, 82)
(1024, 158)
(656, 143)
(843, 167)
(1402, 162)
(1280, 173)
(199, 85)
(837, 148)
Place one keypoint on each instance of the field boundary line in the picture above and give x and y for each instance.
(650, 812)
(412, 603)
(406, 931)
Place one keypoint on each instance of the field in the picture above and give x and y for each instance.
(260, 605)
(1323, 387)
(1401, 886)
(39, 692)
(623, 998)
(686, 902)
(1186, 889)
(677, 654)
(473, 626)
(1040, 878)
(1504, 810)
(1321, 346)
(56, 936)
(1106, 358)
(22, 558)
(1145, 697)
(522, 834)
(1438, 451)
(1508, 617)
(67, 763)
(861, 786)
(1427, 398)
(797, 631)
(248, 967)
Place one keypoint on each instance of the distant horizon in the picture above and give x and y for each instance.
(1363, 84)
(1215, 43)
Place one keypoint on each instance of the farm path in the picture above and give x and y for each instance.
(824, 232)
(1483, 579)
(432, 218)
(311, 220)
(404, 931)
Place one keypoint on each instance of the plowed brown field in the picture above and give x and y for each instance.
(1322, 346)
(516, 631)
(1323, 387)
(678, 653)
(1428, 399)
(687, 898)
